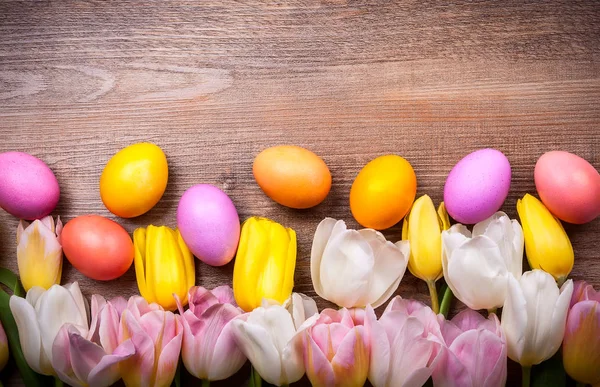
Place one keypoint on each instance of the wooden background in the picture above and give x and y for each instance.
(215, 82)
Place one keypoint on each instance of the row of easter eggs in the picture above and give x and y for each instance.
(134, 180)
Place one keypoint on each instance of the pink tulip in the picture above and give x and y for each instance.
(209, 349)
(336, 349)
(156, 336)
(474, 354)
(581, 343)
(404, 343)
(92, 360)
(3, 348)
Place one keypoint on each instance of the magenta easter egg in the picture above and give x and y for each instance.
(209, 224)
(477, 186)
(569, 186)
(28, 188)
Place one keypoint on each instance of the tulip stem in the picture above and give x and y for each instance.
(205, 382)
(492, 311)
(58, 382)
(435, 303)
(446, 300)
(525, 376)
(255, 379)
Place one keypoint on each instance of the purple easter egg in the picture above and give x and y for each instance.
(477, 186)
(28, 188)
(209, 224)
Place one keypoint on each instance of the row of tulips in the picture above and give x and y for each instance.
(141, 342)
(282, 333)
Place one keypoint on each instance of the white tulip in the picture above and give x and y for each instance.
(355, 268)
(534, 316)
(40, 316)
(269, 338)
(477, 266)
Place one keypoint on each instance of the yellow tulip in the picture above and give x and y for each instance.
(546, 243)
(164, 265)
(39, 253)
(264, 263)
(423, 228)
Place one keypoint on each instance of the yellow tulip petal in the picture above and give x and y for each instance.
(39, 256)
(139, 244)
(425, 238)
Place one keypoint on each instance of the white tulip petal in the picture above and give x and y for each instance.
(559, 318)
(255, 342)
(322, 235)
(389, 268)
(516, 267)
(33, 295)
(80, 300)
(30, 335)
(277, 322)
(477, 271)
(292, 362)
(346, 269)
(514, 319)
(55, 308)
(301, 307)
(404, 247)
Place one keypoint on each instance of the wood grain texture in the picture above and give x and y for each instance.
(215, 82)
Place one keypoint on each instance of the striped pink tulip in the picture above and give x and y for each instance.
(581, 343)
(336, 349)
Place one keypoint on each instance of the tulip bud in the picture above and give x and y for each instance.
(423, 228)
(163, 265)
(39, 253)
(581, 357)
(546, 243)
(3, 348)
(264, 264)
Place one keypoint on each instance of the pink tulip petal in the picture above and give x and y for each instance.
(227, 359)
(380, 349)
(120, 304)
(138, 370)
(224, 294)
(411, 353)
(200, 299)
(581, 356)
(169, 355)
(106, 372)
(318, 368)
(449, 371)
(468, 319)
(351, 361)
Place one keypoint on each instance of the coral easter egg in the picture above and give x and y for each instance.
(209, 224)
(28, 188)
(134, 180)
(477, 186)
(292, 176)
(569, 186)
(383, 192)
(98, 247)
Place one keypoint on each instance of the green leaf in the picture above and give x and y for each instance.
(550, 373)
(30, 378)
(446, 300)
(11, 281)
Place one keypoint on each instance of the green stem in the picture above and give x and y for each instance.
(255, 379)
(446, 301)
(492, 311)
(58, 382)
(435, 304)
(579, 384)
(525, 376)
(1, 385)
(205, 383)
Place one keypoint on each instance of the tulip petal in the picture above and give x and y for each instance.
(318, 368)
(80, 301)
(508, 235)
(346, 269)
(411, 353)
(514, 319)
(139, 243)
(108, 333)
(558, 319)
(30, 335)
(380, 349)
(227, 359)
(390, 266)
(301, 307)
(106, 372)
(477, 271)
(139, 369)
(256, 343)
(449, 371)
(351, 361)
(581, 357)
(479, 351)
(56, 307)
(320, 240)
(39, 257)
(169, 355)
